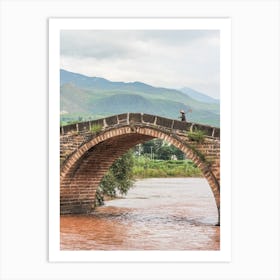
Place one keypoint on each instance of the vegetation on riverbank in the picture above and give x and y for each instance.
(144, 167)
(153, 159)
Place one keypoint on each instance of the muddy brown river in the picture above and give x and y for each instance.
(156, 214)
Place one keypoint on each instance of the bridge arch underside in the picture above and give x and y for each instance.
(82, 172)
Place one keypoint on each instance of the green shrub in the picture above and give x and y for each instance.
(96, 128)
(118, 179)
(197, 136)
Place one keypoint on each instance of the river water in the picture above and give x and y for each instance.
(156, 214)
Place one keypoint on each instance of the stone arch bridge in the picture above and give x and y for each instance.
(88, 149)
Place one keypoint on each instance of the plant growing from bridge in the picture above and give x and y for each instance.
(197, 136)
(96, 128)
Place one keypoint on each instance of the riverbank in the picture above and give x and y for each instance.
(145, 167)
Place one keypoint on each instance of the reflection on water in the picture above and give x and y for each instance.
(157, 214)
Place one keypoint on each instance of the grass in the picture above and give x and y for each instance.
(147, 168)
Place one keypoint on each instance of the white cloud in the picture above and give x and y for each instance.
(161, 58)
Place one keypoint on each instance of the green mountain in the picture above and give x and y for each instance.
(83, 97)
(199, 96)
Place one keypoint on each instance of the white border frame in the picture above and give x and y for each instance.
(222, 24)
(24, 181)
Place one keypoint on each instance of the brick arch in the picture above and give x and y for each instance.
(82, 172)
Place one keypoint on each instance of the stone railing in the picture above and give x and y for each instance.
(141, 118)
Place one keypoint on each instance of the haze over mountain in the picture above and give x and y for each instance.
(83, 97)
(199, 96)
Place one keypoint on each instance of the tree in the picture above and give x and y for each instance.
(165, 152)
(161, 150)
(118, 179)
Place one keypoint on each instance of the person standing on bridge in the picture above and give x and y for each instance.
(183, 116)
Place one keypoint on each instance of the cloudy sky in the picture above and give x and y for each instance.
(173, 59)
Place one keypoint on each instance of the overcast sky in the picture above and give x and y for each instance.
(173, 59)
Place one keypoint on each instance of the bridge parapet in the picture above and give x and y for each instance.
(141, 118)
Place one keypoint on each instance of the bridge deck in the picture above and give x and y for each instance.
(141, 118)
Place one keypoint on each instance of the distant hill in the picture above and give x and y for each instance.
(83, 97)
(199, 96)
